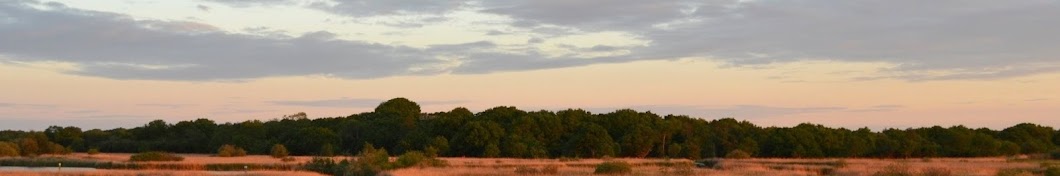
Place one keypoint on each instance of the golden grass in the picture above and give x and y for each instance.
(507, 166)
(755, 166)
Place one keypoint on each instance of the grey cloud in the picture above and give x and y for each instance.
(203, 7)
(115, 46)
(590, 14)
(22, 105)
(979, 39)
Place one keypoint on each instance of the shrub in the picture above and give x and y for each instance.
(738, 154)
(936, 171)
(613, 167)
(8, 149)
(1055, 155)
(409, 159)
(228, 150)
(28, 147)
(327, 150)
(93, 151)
(155, 156)
(278, 151)
(896, 169)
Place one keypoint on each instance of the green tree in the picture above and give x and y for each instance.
(592, 141)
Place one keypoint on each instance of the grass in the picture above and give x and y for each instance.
(613, 167)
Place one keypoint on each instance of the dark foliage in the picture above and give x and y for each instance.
(399, 126)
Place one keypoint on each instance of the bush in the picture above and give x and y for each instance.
(93, 151)
(738, 154)
(8, 149)
(228, 150)
(278, 151)
(613, 167)
(896, 169)
(155, 156)
(935, 171)
(409, 159)
(1055, 155)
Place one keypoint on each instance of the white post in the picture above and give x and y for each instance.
(60, 167)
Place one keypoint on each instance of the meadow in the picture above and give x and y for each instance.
(195, 164)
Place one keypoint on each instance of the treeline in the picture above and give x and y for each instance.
(398, 126)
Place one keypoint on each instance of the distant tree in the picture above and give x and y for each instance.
(1032, 138)
(278, 151)
(29, 147)
(592, 141)
(8, 149)
(738, 154)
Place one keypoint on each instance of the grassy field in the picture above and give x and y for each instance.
(194, 164)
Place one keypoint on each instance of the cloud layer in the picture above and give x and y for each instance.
(978, 39)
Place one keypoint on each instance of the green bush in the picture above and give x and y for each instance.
(8, 149)
(228, 150)
(738, 154)
(155, 156)
(613, 167)
(1055, 155)
(278, 151)
(409, 159)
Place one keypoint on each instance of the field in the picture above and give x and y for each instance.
(508, 166)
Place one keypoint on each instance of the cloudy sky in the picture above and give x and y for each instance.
(874, 63)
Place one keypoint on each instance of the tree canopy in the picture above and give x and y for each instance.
(398, 125)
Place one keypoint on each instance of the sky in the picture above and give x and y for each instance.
(873, 63)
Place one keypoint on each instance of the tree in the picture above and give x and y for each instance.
(8, 149)
(1032, 138)
(592, 141)
(29, 147)
(278, 151)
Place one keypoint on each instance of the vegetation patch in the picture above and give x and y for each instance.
(228, 150)
(613, 167)
(155, 156)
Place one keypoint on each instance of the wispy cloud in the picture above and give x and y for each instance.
(735, 111)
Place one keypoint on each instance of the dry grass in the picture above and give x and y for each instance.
(508, 166)
(755, 166)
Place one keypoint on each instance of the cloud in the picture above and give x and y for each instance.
(116, 46)
(21, 105)
(925, 41)
(937, 40)
(878, 108)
